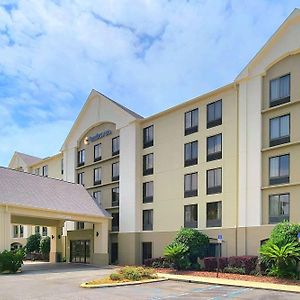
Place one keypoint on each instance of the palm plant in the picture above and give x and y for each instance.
(282, 260)
(175, 253)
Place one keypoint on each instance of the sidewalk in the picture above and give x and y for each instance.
(231, 282)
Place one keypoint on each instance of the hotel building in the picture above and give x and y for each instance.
(226, 162)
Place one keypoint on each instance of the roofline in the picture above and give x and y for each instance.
(190, 101)
(266, 44)
(53, 210)
(45, 159)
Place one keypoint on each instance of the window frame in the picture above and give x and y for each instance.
(279, 179)
(145, 247)
(80, 157)
(115, 223)
(115, 202)
(45, 171)
(215, 122)
(98, 201)
(115, 177)
(191, 192)
(80, 178)
(148, 171)
(100, 151)
(192, 161)
(97, 182)
(117, 151)
(215, 155)
(191, 129)
(191, 223)
(282, 139)
(214, 189)
(281, 100)
(279, 218)
(148, 143)
(148, 226)
(214, 222)
(147, 199)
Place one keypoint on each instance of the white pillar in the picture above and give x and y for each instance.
(55, 244)
(100, 255)
(5, 230)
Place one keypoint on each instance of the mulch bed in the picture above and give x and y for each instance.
(231, 276)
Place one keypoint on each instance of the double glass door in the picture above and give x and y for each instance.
(80, 251)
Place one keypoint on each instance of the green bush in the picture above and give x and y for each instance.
(137, 273)
(284, 233)
(234, 270)
(45, 246)
(282, 261)
(176, 254)
(195, 241)
(11, 261)
(33, 243)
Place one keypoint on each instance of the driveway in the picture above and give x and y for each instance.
(62, 282)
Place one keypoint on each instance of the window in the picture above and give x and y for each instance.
(191, 153)
(148, 219)
(214, 181)
(191, 121)
(214, 114)
(97, 152)
(80, 225)
(80, 178)
(37, 229)
(191, 216)
(148, 164)
(115, 222)
(16, 231)
(62, 166)
(279, 130)
(280, 90)
(97, 176)
(115, 172)
(279, 169)
(81, 158)
(279, 208)
(97, 197)
(115, 194)
(147, 251)
(214, 147)
(148, 136)
(190, 185)
(21, 231)
(45, 171)
(214, 214)
(148, 192)
(115, 146)
(44, 231)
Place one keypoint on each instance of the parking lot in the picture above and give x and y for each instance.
(62, 282)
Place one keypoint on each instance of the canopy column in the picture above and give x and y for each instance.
(5, 229)
(100, 256)
(56, 244)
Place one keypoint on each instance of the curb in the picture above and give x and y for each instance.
(91, 286)
(231, 282)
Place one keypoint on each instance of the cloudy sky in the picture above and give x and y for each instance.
(146, 54)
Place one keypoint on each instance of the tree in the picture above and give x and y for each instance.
(284, 233)
(195, 241)
(33, 243)
(45, 246)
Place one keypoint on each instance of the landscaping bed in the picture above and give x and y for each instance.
(230, 276)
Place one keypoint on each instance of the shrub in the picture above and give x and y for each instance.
(234, 270)
(175, 253)
(159, 262)
(223, 263)
(116, 277)
(248, 263)
(282, 260)
(45, 246)
(33, 243)
(284, 233)
(195, 241)
(11, 261)
(210, 264)
(137, 273)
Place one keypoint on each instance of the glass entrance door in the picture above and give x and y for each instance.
(80, 251)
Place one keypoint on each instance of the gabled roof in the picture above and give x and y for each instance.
(295, 14)
(37, 192)
(28, 159)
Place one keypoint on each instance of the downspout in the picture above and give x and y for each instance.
(237, 171)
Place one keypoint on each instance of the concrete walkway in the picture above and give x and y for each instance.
(231, 282)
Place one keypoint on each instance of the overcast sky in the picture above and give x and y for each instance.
(146, 54)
